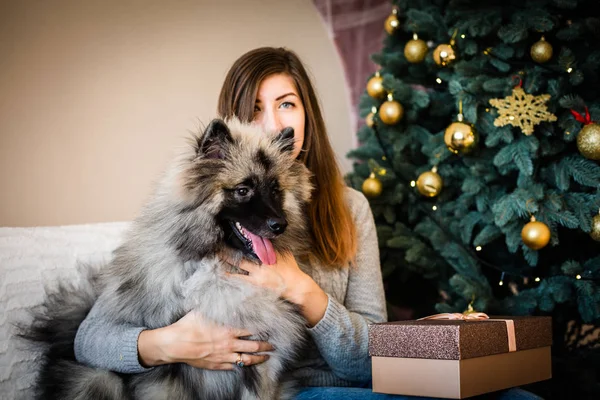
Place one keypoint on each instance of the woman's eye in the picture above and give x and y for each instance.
(287, 104)
(256, 109)
(242, 191)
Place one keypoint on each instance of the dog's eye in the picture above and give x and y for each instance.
(242, 191)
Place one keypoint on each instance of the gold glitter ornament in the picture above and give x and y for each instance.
(375, 87)
(444, 55)
(415, 50)
(588, 141)
(595, 232)
(372, 187)
(390, 112)
(430, 183)
(522, 110)
(541, 51)
(535, 234)
(392, 23)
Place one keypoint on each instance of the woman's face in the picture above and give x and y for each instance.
(278, 106)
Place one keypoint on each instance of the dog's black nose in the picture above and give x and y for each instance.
(277, 225)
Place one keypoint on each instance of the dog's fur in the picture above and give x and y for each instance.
(167, 266)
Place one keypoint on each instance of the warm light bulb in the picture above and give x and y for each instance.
(478, 248)
(413, 183)
(500, 283)
(537, 279)
(434, 208)
(578, 277)
(438, 80)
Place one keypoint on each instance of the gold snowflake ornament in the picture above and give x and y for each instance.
(522, 110)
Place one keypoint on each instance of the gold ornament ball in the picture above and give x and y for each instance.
(372, 187)
(443, 55)
(390, 112)
(535, 235)
(391, 24)
(375, 87)
(588, 141)
(429, 184)
(461, 138)
(415, 51)
(595, 232)
(369, 120)
(541, 51)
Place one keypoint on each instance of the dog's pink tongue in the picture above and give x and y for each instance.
(263, 249)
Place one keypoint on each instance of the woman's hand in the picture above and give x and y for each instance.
(287, 280)
(199, 343)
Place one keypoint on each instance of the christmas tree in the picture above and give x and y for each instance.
(480, 155)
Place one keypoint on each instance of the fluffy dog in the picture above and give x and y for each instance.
(237, 192)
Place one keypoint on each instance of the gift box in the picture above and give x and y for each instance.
(459, 358)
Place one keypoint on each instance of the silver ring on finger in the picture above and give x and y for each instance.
(239, 362)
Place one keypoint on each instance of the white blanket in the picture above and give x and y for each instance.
(30, 258)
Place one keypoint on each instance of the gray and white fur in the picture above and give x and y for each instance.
(234, 188)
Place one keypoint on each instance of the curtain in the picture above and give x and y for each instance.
(356, 29)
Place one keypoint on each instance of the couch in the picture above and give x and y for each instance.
(30, 259)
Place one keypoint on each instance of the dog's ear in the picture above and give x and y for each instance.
(212, 142)
(285, 139)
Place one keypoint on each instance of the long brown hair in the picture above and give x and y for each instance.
(331, 222)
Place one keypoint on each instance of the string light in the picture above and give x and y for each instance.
(413, 183)
(569, 70)
(578, 276)
(537, 279)
(501, 280)
(439, 80)
(434, 208)
(478, 248)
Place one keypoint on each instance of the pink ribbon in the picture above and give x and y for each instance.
(479, 316)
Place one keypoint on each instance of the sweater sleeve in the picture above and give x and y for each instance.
(342, 334)
(101, 342)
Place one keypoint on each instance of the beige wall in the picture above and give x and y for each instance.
(95, 95)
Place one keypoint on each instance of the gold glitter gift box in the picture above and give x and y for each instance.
(456, 359)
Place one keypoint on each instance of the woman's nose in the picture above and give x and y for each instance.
(271, 121)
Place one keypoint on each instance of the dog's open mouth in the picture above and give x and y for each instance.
(260, 246)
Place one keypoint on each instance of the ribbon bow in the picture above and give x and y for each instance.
(479, 316)
(476, 316)
(585, 119)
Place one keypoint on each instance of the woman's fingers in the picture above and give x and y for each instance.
(248, 359)
(252, 346)
(239, 332)
(230, 363)
(248, 266)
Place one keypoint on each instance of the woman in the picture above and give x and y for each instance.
(339, 290)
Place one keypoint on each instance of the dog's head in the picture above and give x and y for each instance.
(245, 189)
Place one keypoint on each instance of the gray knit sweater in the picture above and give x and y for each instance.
(338, 353)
